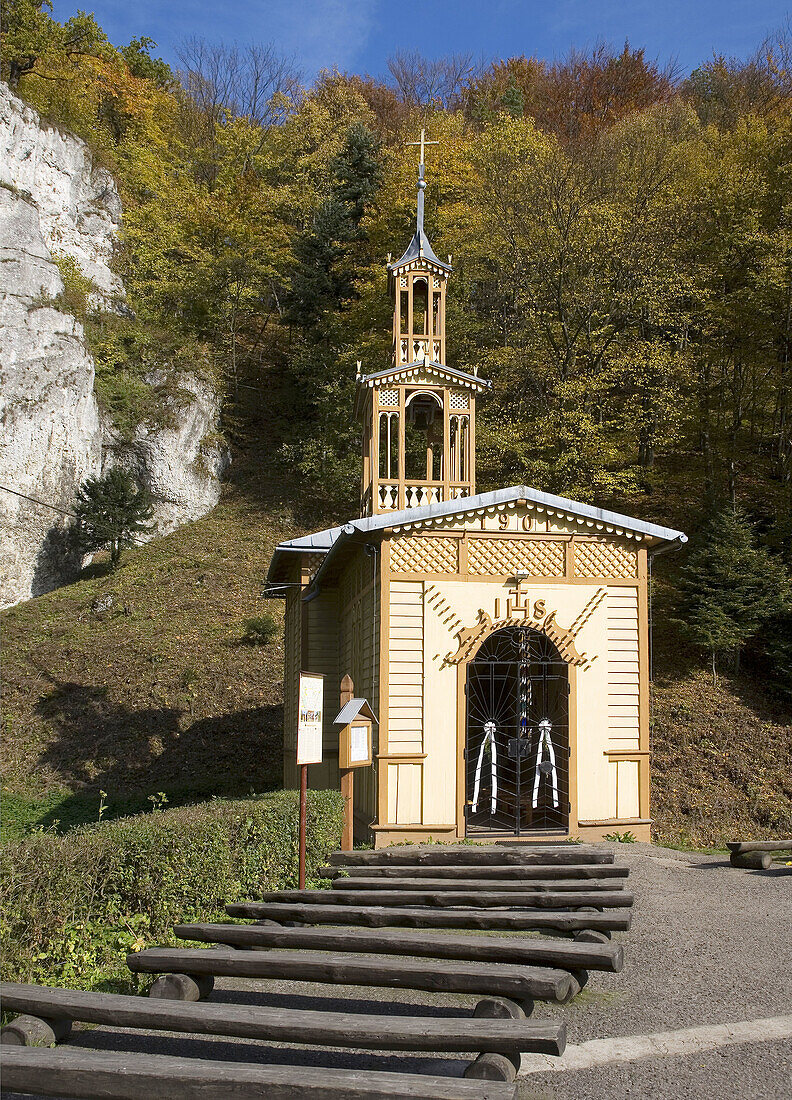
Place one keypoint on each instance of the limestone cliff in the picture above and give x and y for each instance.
(55, 201)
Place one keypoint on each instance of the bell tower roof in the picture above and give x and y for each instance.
(419, 249)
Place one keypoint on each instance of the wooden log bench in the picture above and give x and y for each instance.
(536, 886)
(486, 920)
(478, 899)
(438, 855)
(314, 1028)
(514, 871)
(519, 983)
(526, 950)
(756, 854)
(114, 1075)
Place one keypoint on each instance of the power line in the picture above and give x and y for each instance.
(35, 500)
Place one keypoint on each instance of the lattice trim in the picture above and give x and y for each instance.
(603, 558)
(459, 400)
(312, 562)
(424, 555)
(389, 398)
(504, 557)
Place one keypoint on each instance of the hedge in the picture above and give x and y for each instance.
(74, 905)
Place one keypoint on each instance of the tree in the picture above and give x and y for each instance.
(111, 511)
(431, 83)
(731, 587)
(30, 33)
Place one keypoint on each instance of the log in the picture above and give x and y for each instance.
(501, 979)
(754, 861)
(437, 855)
(497, 1033)
(499, 1008)
(519, 898)
(508, 871)
(128, 1076)
(34, 1031)
(540, 886)
(591, 935)
(741, 847)
(488, 920)
(493, 1067)
(517, 949)
(182, 987)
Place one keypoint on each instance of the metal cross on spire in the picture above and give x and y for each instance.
(423, 143)
(421, 181)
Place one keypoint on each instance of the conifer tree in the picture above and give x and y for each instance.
(731, 587)
(111, 511)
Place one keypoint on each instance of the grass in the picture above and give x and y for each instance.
(159, 691)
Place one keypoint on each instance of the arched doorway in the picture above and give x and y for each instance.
(517, 736)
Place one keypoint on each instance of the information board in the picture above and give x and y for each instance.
(360, 743)
(309, 718)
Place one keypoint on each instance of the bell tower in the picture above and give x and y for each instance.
(419, 414)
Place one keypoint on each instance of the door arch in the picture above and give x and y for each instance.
(517, 736)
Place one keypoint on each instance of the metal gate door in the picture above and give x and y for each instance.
(517, 738)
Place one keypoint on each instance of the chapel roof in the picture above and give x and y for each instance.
(407, 370)
(331, 541)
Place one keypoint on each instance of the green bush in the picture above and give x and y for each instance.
(75, 905)
(260, 630)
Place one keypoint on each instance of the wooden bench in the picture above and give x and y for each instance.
(478, 899)
(756, 854)
(519, 983)
(377, 916)
(315, 1028)
(511, 949)
(406, 881)
(128, 1076)
(565, 873)
(437, 855)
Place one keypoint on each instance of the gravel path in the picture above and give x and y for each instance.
(709, 945)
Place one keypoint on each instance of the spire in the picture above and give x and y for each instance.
(419, 247)
(421, 177)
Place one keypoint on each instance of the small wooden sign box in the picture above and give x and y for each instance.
(355, 749)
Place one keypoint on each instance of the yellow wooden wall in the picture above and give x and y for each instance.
(357, 634)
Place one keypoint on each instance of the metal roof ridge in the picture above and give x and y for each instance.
(456, 372)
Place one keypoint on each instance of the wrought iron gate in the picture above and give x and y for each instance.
(517, 738)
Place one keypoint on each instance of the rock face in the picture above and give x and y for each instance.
(179, 463)
(55, 202)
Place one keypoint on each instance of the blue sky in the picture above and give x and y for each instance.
(359, 35)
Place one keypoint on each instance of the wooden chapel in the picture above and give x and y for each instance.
(501, 638)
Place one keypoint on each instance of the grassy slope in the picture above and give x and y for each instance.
(155, 694)
(158, 694)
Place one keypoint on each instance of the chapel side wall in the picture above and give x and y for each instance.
(291, 669)
(357, 629)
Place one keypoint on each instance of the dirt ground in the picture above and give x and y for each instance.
(710, 946)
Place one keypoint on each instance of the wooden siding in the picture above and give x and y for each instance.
(624, 698)
(356, 627)
(405, 667)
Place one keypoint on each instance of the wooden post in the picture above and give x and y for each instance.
(303, 817)
(347, 777)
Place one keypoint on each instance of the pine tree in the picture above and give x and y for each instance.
(357, 172)
(731, 587)
(111, 511)
(323, 279)
(512, 101)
